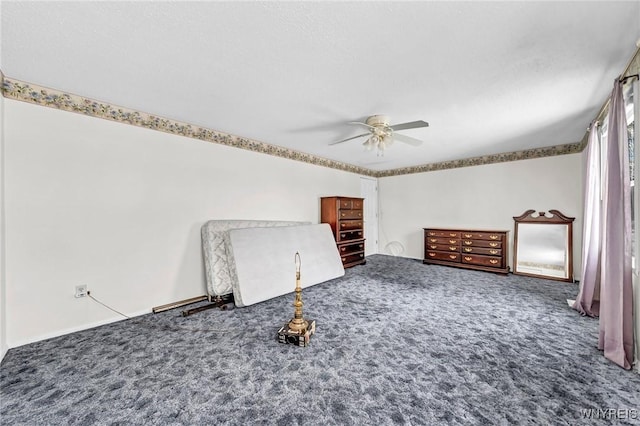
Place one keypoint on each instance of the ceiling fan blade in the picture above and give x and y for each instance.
(407, 139)
(410, 125)
(348, 139)
(361, 123)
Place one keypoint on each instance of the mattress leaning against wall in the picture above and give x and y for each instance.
(215, 234)
(262, 260)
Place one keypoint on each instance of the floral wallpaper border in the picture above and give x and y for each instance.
(34, 94)
(39, 95)
(528, 154)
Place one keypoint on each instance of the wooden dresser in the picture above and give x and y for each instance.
(346, 218)
(483, 250)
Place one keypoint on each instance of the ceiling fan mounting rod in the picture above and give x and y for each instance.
(378, 120)
(379, 125)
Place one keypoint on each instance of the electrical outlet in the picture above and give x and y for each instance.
(81, 291)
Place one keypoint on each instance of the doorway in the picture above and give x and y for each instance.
(369, 191)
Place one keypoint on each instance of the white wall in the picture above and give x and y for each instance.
(480, 197)
(3, 298)
(119, 208)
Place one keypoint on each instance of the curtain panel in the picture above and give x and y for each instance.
(588, 300)
(616, 288)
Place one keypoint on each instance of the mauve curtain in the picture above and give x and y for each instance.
(616, 291)
(588, 300)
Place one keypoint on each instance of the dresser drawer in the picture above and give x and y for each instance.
(482, 260)
(442, 233)
(482, 236)
(350, 258)
(350, 235)
(446, 241)
(351, 248)
(482, 250)
(350, 204)
(443, 247)
(443, 255)
(350, 224)
(481, 243)
(350, 214)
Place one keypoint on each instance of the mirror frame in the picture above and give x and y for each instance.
(557, 218)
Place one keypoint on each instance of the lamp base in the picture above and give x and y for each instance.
(294, 337)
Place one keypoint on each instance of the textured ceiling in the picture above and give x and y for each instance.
(489, 77)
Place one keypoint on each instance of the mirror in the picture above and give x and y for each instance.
(543, 245)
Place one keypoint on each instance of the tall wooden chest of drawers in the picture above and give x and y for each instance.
(483, 250)
(346, 218)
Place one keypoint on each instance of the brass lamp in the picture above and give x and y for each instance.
(297, 330)
(298, 323)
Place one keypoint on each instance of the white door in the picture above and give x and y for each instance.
(369, 191)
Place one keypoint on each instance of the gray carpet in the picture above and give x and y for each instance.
(397, 342)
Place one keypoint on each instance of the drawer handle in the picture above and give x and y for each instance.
(343, 235)
(468, 258)
(342, 225)
(343, 248)
(344, 259)
(433, 240)
(360, 246)
(433, 247)
(468, 250)
(359, 233)
(431, 234)
(452, 256)
(493, 244)
(494, 237)
(361, 255)
(452, 241)
(452, 235)
(493, 251)
(468, 235)
(432, 254)
(453, 248)
(468, 242)
(493, 261)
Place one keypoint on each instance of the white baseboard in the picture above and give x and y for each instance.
(3, 352)
(59, 333)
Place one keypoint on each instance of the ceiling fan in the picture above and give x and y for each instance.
(381, 134)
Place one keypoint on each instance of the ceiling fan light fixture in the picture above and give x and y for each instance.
(381, 147)
(368, 144)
